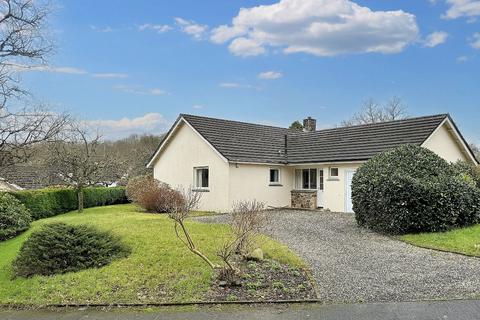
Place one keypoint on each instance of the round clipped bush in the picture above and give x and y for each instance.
(14, 217)
(60, 248)
(410, 189)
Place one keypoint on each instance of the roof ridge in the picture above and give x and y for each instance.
(444, 115)
(235, 121)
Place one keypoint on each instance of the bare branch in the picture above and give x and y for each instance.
(373, 112)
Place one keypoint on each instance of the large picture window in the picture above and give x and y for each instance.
(201, 178)
(306, 179)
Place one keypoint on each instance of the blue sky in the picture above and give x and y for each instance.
(133, 66)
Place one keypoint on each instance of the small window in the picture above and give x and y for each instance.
(274, 176)
(201, 178)
(333, 172)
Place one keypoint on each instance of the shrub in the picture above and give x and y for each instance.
(152, 195)
(411, 189)
(44, 203)
(468, 171)
(14, 217)
(60, 248)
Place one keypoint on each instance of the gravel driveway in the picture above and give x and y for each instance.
(351, 264)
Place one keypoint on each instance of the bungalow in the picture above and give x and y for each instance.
(230, 161)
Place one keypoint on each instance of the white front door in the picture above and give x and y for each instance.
(348, 190)
(320, 197)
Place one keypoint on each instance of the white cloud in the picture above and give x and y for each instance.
(141, 91)
(475, 41)
(110, 75)
(26, 68)
(197, 106)
(270, 75)
(246, 47)
(102, 29)
(462, 8)
(160, 28)
(235, 85)
(149, 123)
(462, 59)
(197, 31)
(318, 27)
(435, 38)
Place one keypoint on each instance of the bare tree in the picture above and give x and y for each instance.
(475, 149)
(373, 112)
(22, 130)
(180, 210)
(135, 152)
(78, 160)
(247, 220)
(22, 44)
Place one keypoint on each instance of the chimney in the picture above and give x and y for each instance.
(309, 124)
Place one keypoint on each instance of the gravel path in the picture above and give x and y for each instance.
(351, 264)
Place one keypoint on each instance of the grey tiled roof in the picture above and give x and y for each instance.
(240, 141)
(248, 142)
(359, 142)
(27, 176)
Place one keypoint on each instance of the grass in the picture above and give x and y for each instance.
(159, 269)
(464, 241)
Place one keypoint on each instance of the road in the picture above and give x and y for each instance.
(444, 310)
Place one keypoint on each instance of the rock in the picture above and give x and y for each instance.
(256, 255)
(222, 283)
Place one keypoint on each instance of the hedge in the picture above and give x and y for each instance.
(14, 217)
(44, 203)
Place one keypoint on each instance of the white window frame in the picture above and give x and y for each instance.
(332, 177)
(195, 179)
(275, 183)
(309, 179)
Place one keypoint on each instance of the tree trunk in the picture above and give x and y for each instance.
(80, 199)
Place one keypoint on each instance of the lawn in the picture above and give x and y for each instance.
(159, 269)
(465, 240)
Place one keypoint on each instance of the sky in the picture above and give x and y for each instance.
(134, 66)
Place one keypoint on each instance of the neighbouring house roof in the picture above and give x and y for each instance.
(27, 176)
(247, 142)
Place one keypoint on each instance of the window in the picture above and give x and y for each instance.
(320, 183)
(201, 178)
(333, 172)
(306, 179)
(274, 176)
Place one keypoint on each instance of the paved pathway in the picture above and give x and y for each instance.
(454, 310)
(351, 264)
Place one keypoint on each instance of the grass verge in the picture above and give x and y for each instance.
(465, 241)
(159, 269)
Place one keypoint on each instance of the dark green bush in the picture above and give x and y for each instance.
(14, 217)
(46, 203)
(410, 189)
(59, 248)
(468, 171)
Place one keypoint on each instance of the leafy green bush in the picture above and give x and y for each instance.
(60, 248)
(468, 171)
(14, 217)
(46, 203)
(410, 189)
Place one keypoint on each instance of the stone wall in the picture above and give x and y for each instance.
(304, 199)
